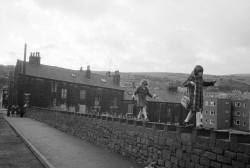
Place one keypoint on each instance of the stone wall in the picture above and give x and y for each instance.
(169, 146)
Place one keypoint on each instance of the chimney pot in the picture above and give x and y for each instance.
(34, 58)
(108, 74)
(88, 72)
(116, 78)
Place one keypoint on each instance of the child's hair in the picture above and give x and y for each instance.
(197, 69)
(144, 82)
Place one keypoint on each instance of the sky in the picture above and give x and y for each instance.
(129, 35)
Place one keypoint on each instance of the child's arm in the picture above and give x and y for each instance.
(189, 82)
(136, 91)
(209, 83)
(149, 94)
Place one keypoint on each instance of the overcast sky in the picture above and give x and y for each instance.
(129, 35)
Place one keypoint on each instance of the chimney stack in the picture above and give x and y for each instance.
(88, 72)
(116, 78)
(108, 74)
(24, 59)
(35, 58)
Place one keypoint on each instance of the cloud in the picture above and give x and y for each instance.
(161, 35)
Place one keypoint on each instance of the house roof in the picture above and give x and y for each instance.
(68, 75)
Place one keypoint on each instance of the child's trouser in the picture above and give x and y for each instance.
(143, 111)
(198, 117)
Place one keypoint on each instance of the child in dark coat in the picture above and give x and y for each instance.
(142, 92)
(195, 84)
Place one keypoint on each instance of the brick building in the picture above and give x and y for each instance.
(216, 113)
(240, 114)
(64, 89)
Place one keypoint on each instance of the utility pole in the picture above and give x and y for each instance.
(24, 59)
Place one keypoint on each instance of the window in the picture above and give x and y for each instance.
(243, 113)
(212, 112)
(115, 101)
(237, 113)
(130, 108)
(206, 112)
(53, 87)
(82, 94)
(211, 122)
(226, 121)
(206, 103)
(227, 111)
(244, 124)
(245, 105)
(206, 121)
(64, 94)
(97, 100)
(237, 122)
(54, 102)
(237, 104)
(212, 103)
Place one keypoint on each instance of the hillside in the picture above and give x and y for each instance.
(160, 82)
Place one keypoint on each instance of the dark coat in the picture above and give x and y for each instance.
(142, 95)
(195, 93)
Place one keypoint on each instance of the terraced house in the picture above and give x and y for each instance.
(65, 89)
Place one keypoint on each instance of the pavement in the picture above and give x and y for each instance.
(60, 150)
(13, 152)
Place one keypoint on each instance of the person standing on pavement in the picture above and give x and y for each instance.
(23, 110)
(142, 92)
(13, 108)
(9, 110)
(17, 110)
(195, 84)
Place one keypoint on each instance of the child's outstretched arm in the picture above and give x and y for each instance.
(209, 83)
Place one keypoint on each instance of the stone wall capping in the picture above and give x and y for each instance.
(109, 119)
(139, 123)
(221, 134)
(130, 121)
(239, 137)
(184, 129)
(104, 118)
(204, 132)
(160, 126)
(171, 128)
(123, 120)
(116, 119)
(149, 125)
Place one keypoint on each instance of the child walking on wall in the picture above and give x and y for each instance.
(142, 92)
(195, 84)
